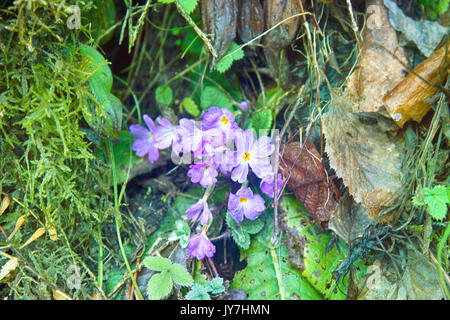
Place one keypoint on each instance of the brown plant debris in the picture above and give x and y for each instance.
(410, 99)
(366, 158)
(309, 180)
(381, 63)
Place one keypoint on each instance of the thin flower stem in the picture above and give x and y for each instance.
(213, 267)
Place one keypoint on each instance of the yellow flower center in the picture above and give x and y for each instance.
(243, 200)
(207, 167)
(246, 156)
(225, 120)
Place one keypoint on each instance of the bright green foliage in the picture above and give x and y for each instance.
(213, 96)
(188, 5)
(319, 264)
(164, 95)
(202, 291)
(101, 18)
(436, 199)
(160, 284)
(103, 110)
(234, 53)
(241, 232)
(191, 107)
(262, 120)
(435, 8)
(268, 276)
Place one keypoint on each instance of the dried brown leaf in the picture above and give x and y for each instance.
(366, 158)
(5, 204)
(309, 180)
(382, 62)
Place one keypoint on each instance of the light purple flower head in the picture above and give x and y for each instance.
(204, 172)
(224, 158)
(252, 153)
(199, 211)
(166, 135)
(244, 105)
(200, 246)
(245, 204)
(145, 143)
(268, 186)
(190, 135)
(223, 119)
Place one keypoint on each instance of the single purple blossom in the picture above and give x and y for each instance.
(224, 158)
(245, 204)
(145, 143)
(204, 172)
(199, 211)
(267, 185)
(251, 153)
(244, 105)
(200, 246)
(166, 135)
(223, 119)
(190, 135)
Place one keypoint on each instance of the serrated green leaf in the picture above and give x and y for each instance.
(253, 226)
(159, 286)
(188, 5)
(215, 286)
(319, 263)
(182, 233)
(241, 237)
(231, 223)
(437, 200)
(215, 97)
(262, 121)
(164, 95)
(180, 275)
(191, 107)
(259, 278)
(157, 263)
(234, 53)
(198, 292)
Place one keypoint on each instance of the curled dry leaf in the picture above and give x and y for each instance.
(409, 100)
(350, 219)
(381, 65)
(308, 180)
(250, 20)
(219, 21)
(366, 158)
(5, 204)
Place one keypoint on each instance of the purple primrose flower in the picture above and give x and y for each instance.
(200, 246)
(166, 135)
(267, 185)
(199, 211)
(223, 119)
(204, 172)
(252, 153)
(245, 203)
(145, 143)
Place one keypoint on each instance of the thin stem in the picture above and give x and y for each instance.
(440, 248)
(100, 257)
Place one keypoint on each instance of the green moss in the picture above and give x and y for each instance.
(46, 162)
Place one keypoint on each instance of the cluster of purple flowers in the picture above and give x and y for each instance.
(218, 145)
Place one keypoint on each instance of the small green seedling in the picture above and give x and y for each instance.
(160, 284)
(436, 199)
(201, 292)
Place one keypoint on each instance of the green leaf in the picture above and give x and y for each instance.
(188, 5)
(198, 292)
(215, 286)
(241, 237)
(166, 1)
(436, 200)
(268, 276)
(319, 263)
(253, 226)
(182, 233)
(159, 286)
(98, 65)
(180, 275)
(157, 263)
(191, 107)
(215, 97)
(228, 59)
(262, 120)
(164, 95)
(114, 278)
